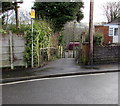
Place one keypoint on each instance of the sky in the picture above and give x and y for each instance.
(98, 11)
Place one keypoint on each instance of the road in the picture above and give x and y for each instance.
(84, 89)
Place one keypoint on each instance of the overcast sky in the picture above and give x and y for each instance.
(98, 11)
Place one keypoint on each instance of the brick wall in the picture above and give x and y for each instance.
(105, 31)
(107, 54)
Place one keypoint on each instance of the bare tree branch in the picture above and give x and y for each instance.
(111, 10)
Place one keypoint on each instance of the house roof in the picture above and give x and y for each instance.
(115, 22)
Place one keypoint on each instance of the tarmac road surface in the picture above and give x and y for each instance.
(82, 89)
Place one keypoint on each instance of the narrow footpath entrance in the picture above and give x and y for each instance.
(59, 66)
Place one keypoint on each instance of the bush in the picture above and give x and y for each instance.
(84, 60)
(98, 39)
(21, 30)
(2, 31)
(41, 35)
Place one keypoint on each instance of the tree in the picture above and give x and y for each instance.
(6, 6)
(78, 30)
(111, 10)
(59, 13)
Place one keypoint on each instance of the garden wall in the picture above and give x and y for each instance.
(107, 54)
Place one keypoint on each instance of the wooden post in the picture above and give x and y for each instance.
(11, 50)
(48, 52)
(38, 53)
(60, 51)
(91, 32)
(40, 56)
(16, 15)
(26, 64)
(74, 39)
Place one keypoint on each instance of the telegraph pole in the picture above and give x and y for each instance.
(16, 15)
(74, 39)
(16, 12)
(91, 32)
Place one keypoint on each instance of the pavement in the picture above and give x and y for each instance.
(56, 68)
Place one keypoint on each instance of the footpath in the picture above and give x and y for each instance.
(57, 68)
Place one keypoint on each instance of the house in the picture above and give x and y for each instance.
(111, 31)
(105, 31)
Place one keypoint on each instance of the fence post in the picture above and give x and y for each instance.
(40, 56)
(48, 52)
(38, 53)
(11, 50)
(26, 64)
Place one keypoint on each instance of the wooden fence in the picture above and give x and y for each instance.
(11, 50)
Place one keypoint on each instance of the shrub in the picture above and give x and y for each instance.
(21, 30)
(41, 34)
(84, 60)
(2, 31)
(98, 39)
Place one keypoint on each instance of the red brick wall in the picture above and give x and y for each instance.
(105, 31)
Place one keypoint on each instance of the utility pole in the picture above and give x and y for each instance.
(16, 12)
(16, 15)
(74, 39)
(91, 33)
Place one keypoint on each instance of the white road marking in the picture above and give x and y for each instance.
(18, 82)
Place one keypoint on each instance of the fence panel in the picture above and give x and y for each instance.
(18, 50)
(11, 50)
(4, 51)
